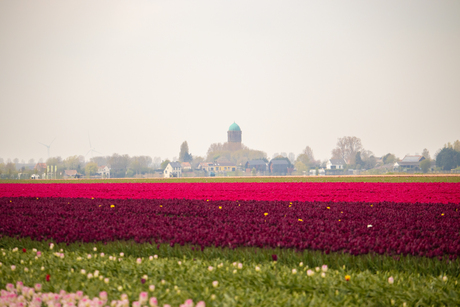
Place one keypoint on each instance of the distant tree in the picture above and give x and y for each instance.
(448, 159)
(100, 161)
(71, 163)
(436, 154)
(358, 160)
(31, 162)
(425, 165)
(1, 160)
(304, 159)
(119, 165)
(54, 161)
(300, 167)
(389, 158)
(140, 164)
(10, 169)
(347, 147)
(40, 160)
(196, 161)
(90, 169)
(456, 145)
(184, 155)
(276, 154)
(311, 158)
(130, 173)
(164, 164)
(16, 160)
(368, 158)
(253, 171)
(221, 152)
(284, 154)
(426, 154)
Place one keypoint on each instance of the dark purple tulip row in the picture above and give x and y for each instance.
(397, 228)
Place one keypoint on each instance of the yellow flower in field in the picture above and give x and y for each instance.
(289, 206)
(442, 214)
(161, 206)
(347, 277)
(339, 220)
(92, 197)
(112, 206)
(329, 207)
(300, 220)
(220, 207)
(265, 214)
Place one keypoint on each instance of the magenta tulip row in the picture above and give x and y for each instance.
(424, 229)
(331, 191)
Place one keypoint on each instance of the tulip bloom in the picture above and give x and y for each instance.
(143, 297)
(347, 277)
(48, 277)
(153, 302)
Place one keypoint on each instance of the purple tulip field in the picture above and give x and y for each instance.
(386, 220)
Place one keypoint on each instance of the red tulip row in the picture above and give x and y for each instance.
(423, 229)
(331, 191)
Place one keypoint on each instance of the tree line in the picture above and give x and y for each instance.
(348, 148)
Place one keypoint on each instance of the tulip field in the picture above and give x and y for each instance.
(230, 244)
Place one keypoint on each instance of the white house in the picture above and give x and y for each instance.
(104, 171)
(173, 169)
(335, 164)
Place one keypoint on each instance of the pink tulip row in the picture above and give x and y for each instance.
(429, 230)
(292, 191)
(21, 296)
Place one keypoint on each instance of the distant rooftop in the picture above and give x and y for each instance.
(234, 127)
(412, 159)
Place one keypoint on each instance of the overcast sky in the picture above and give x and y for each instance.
(141, 77)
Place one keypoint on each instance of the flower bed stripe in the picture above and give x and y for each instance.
(422, 229)
(423, 192)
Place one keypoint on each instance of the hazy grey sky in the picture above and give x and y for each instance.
(143, 76)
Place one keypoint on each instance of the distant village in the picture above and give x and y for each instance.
(232, 158)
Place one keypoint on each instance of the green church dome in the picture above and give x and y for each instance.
(234, 127)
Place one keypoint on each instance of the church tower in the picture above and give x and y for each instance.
(234, 135)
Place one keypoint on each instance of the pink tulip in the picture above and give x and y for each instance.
(153, 302)
(143, 297)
